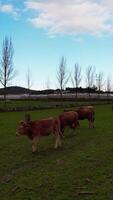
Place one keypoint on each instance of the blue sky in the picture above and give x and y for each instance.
(43, 31)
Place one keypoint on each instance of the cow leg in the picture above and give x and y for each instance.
(57, 142)
(73, 126)
(34, 144)
(62, 133)
(91, 121)
(93, 125)
(89, 124)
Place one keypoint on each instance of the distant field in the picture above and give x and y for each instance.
(81, 170)
(38, 104)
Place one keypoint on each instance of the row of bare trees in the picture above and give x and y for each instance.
(92, 79)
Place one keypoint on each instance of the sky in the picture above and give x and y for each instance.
(42, 31)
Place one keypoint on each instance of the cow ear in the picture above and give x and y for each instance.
(27, 117)
(22, 122)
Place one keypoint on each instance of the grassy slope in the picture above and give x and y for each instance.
(81, 169)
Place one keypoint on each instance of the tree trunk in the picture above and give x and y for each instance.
(5, 97)
(61, 98)
(76, 95)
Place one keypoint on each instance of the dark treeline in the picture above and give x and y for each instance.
(68, 90)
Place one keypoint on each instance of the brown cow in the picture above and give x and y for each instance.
(86, 112)
(68, 119)
(39, 128)
(81, 107)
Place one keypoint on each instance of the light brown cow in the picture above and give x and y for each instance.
(34, 130)
(68, 119)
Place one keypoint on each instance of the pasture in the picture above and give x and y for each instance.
(48, 103)
(82, 169)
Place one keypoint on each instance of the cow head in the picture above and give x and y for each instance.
(23, 128)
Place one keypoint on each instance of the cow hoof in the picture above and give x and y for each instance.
(34, 152)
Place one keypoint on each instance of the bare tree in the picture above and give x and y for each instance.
(48, 84)
(62, 76)
(108, 85)
(7, 71)
(29, 81)
(100, 82)
(90, 75)
(77, 77)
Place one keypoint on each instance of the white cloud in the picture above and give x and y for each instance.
(9, 9)
(74, 17)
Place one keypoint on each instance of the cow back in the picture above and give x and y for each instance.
(85, 113)
(45, 127)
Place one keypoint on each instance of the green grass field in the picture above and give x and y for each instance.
(82, 169)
